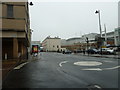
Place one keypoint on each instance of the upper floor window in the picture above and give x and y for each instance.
(10, 11)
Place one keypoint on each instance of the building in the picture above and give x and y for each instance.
(80, 43)
(16, 33)
(110, 37)
(51, 44)
(72, 43)
(117, 36)
(75, 40)
(91, 36)
(92, 41)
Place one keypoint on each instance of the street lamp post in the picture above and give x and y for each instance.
(98, 12)
(87, 44)
(105, 35)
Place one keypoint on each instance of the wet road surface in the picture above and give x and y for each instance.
(56, 70)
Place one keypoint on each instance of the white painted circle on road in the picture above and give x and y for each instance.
(87, 63)
(92, 69)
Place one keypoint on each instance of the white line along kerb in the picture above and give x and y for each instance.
(60, 64)
(21, 65)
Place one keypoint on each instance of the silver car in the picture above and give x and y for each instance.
(106, 51)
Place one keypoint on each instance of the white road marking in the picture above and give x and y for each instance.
(93, 69)
(87, 63)
(60, 64)
(108, 61)
(99, 69)
(97, 86)
(21, 65)
(111, 68)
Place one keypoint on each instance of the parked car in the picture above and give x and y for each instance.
(67, 52)
(92, 51)
(77, 51)
(106, 51)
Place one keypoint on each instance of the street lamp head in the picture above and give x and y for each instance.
(96, 11)
(31, 4)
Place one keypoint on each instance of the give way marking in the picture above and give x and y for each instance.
(99, 69)
(60, 64)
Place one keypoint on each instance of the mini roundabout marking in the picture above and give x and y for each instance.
(87, 63)
(93, 63)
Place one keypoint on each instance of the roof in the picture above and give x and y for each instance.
(51, 38)
(73, 38)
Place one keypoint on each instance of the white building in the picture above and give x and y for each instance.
(52, 44)
(91, 37)
(63, 42)
(117, 36)
(80, 42)
(110, 38)
(72, 41)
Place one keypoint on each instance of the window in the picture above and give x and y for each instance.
(10, 11)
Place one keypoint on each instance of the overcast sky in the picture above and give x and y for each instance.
(70, 19)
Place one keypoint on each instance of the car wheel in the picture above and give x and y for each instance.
(108, 53)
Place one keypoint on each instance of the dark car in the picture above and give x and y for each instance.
(77, 51)
(67, 52)
(92, 51)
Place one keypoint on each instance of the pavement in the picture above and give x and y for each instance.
(8, 65)
(99, 55)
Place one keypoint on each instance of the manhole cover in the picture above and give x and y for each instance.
(87, 63)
